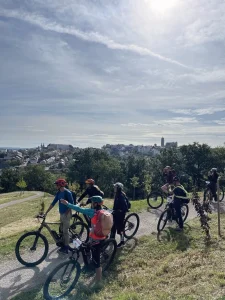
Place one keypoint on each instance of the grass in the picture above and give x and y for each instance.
(4, 198)
(19, 218)
(181, 266)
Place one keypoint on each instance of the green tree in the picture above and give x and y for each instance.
(22, 185)
(134, 182)
(9, 178)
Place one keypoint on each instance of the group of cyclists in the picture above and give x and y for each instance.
(95, 198)
(67, 202)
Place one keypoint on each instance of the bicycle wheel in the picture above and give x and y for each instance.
(62, 280)
(80, 230)
(31, 248)
(184, 211)
(155, 200)
(221, 194)
(163, 220)
(131, 225)
(76, 218)
(108, 251)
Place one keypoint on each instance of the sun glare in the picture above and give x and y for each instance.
(161, 6)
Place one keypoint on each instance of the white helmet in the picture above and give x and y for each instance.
(214, 170)
(118, 184)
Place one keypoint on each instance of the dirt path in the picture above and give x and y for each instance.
(37, 194)
(15, 278)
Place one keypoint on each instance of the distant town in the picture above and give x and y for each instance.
(58, 156)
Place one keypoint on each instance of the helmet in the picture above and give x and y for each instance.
(176, 178)
(118, 184)
(166, 168)
(90, 181)
(61, 182)
(97, 199)
(214, 170)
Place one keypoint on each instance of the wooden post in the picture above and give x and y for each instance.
(218, 205)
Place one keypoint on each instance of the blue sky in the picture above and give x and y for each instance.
(91, 72)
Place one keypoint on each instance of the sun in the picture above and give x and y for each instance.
(162, 6)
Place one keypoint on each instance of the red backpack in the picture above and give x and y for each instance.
(104, 223)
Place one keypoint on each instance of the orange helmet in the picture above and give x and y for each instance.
(61, 182)
(90, 181)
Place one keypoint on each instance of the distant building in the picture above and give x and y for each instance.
(162, 142)
(59, 147)
(171, 145)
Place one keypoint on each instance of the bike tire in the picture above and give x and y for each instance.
(107, 243)
(186, 213)
(221, 196)
(18, 244)
(50, 279)
(158, 200)
(76, 218)
(164, 214)
(126, 221)
(81, 230)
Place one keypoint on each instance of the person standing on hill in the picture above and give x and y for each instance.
(65, 213)
(120, 208)
(168, 174)
(213, 177)
(91, 190)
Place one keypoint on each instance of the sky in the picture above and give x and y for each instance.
(92, 72)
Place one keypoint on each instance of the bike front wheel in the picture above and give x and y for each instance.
(108, 251)
(184, 211)
(163, 220)
(131, 225)
(80, 230)
(221, 194)
(62, 280)
(31, 249)
(155, 200)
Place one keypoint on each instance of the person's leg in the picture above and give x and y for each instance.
(120, 228)
(65, 219)
(177, 206)
(213, 190)
(96, 250)
(113, 230)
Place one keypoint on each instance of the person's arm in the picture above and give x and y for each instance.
(82, 196)
(86, 211)
(52, 205)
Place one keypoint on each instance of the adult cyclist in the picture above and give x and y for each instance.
(96, 205)
(213, 177)
(91, 190)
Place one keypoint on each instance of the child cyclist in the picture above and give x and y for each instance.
(96, 204)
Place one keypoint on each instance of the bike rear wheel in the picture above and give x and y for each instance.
(131, 225)
(62, 280)
(221, 194)
(184, 211)
(80, 230)
(163, 220)
(155, 200)
(108, 251)
(31, 248)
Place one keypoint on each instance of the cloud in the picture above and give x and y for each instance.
(86, 36)
(199, 111)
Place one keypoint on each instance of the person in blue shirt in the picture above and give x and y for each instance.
(65, 212)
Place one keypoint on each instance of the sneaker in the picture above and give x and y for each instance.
(178, 229)
(121, 244)
(63, 250)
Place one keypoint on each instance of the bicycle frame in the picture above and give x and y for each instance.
(46, 225)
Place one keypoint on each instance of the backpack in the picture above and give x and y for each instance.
(128, 203)
(104, 223)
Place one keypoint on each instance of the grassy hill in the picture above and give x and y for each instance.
(171, 266)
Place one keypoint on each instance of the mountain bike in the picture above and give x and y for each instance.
(156, 198)
(32, 247)
(208, 197)
(63, 279)
(169, 214)
(131, 222)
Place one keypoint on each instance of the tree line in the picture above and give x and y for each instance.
(138, 173)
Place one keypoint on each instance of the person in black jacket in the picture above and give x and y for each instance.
(91, 190)
(213, 177)
(120, 209)
(168, 174)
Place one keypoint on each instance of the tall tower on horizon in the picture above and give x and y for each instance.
(162, 142)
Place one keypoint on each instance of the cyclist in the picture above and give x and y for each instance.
(213, 177)
(91, 190)
(168, 174)
(179, 197)
(96, 203)
(120, 209)
(65, 213)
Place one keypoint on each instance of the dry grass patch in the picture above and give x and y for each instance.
(7, 197)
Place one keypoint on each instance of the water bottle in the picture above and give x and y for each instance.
(77, 243)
